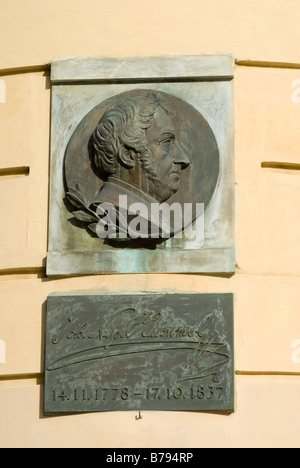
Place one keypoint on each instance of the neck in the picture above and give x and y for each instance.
(131, 189)
(136, 177)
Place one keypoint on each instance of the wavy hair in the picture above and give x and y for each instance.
(122, 128)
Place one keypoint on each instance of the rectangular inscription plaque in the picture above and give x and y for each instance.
(139, 352)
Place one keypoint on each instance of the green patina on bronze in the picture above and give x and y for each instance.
(139, 352)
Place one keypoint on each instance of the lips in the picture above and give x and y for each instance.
(176, 173)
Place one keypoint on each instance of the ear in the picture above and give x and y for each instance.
(127, 157)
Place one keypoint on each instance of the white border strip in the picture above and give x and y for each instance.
(128, 261)
(137, 68)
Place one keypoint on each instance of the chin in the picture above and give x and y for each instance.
(166, 195)
(162, 192)
(174, 187)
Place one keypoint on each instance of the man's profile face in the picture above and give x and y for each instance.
(167, 157)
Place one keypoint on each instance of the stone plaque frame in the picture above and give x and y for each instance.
(78, 86)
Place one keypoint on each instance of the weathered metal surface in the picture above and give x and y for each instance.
(193, 165)
(139, 352)
(149, 147)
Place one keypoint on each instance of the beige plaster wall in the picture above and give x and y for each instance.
(267, 282)
(37, 30)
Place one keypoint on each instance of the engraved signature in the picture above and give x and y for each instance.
(149, 332)
(139, 324)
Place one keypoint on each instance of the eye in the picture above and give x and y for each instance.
(166, 142)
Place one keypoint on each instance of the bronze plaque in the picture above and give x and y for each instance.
(171, 352)
(142, 166)
(150, 147)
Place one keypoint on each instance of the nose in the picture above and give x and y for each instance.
(181, 157)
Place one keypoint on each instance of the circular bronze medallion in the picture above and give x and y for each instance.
(147, 144)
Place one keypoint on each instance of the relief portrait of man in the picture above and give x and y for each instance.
(147, 148)
(136, 151)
